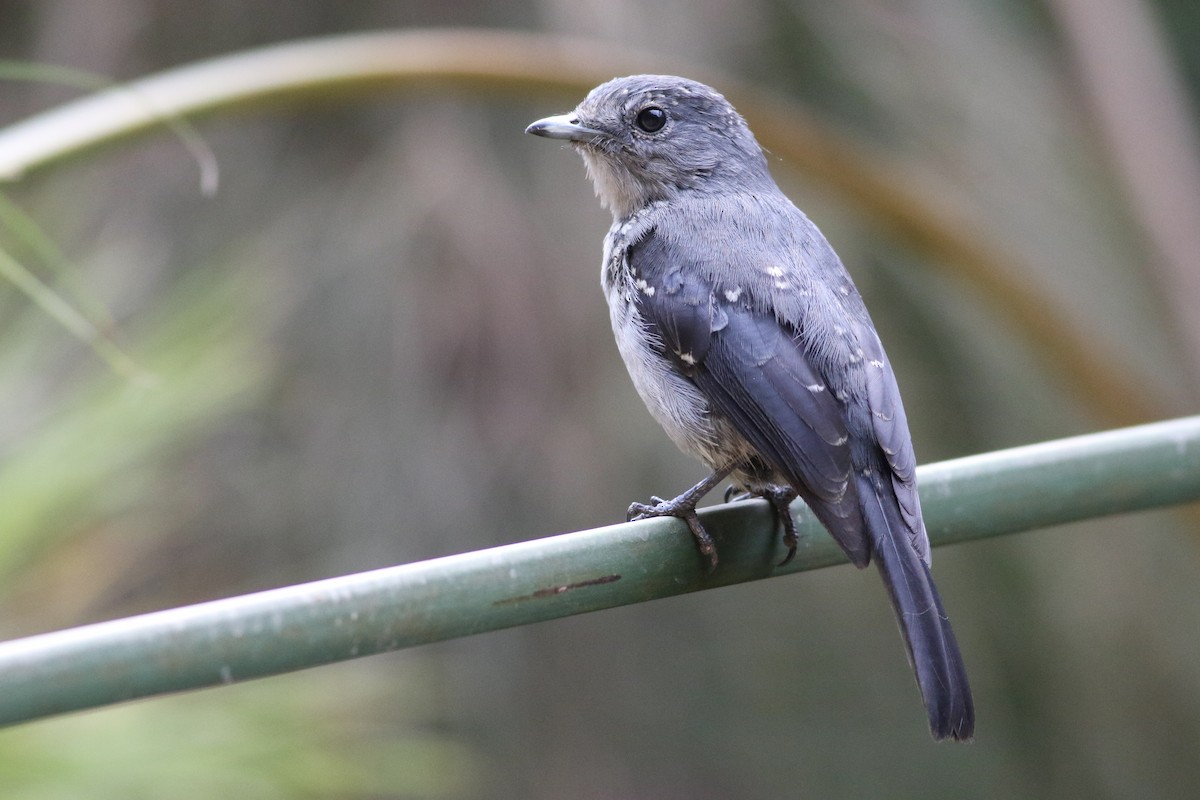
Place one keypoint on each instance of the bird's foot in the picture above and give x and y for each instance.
(683, 507)
(780, 498)
(733, 492)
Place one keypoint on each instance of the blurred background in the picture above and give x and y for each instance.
(383, 340)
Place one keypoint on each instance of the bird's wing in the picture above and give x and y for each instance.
(756, 375)
(891, 432)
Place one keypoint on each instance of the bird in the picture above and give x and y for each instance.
(749, 343)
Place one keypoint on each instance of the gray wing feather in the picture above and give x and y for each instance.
(755, 374)
(891, 432)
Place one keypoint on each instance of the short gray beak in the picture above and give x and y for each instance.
(564, 126)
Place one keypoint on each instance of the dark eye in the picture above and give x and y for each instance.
(651, 119)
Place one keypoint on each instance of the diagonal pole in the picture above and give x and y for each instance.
(372, 612)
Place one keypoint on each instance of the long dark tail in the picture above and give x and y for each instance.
(932, 648)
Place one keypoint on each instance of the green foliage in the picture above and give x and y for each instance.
(97, 444)
(314, 736)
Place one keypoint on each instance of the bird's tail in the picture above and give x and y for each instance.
(932, 648)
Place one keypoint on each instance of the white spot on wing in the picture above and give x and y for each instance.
(782, 284)
(646, 288)
(775, 272)
(876, 363)
(687, 358)
(815, 387)
(733, 294)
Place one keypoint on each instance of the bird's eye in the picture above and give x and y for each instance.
(651, 119)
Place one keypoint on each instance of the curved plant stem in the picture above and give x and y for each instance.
(527, 64)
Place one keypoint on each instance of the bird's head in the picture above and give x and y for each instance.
(646, 138)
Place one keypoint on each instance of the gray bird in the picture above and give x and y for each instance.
(749, 343)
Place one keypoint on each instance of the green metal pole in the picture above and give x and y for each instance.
(357, 615)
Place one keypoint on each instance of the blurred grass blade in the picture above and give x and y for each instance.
(103, 438)
(26, 229)
(27, 232)
(70, 318)
(342, 618)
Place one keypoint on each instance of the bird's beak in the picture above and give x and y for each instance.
(564, 126)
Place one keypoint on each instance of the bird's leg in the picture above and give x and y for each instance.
(780, 498)
(684, 507)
